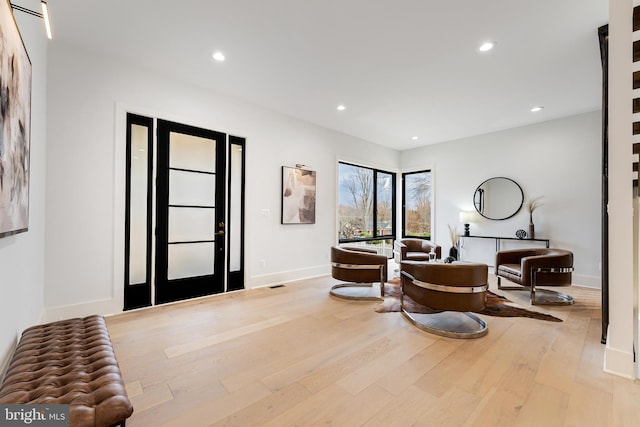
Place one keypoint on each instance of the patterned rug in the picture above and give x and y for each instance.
(497, 305)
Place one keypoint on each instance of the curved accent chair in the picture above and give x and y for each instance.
(361, 267)
(452, 290)
(415, 249)
(530, 268)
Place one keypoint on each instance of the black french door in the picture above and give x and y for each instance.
(190, 212)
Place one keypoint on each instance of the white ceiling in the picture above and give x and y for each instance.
(402, 67)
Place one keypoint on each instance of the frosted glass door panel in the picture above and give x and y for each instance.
(138, 208)
(191, 224)
(191, 189)
(235, 209)
(190, 260)
(192, 152)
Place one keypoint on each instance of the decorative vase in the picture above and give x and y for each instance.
(531, 233)
(453, 253)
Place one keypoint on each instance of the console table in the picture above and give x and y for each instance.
(498, 240)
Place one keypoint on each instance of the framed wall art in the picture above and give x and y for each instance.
(15, 125)
(298, 196)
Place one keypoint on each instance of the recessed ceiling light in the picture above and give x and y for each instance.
(341, 107)
(218, 56)
(486, 46)
(536, 109)
(415, 138)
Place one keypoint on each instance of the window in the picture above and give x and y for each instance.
(417, 194)
(366, 215)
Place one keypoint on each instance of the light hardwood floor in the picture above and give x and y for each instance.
(294, 356)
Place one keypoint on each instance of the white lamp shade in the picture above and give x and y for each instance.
(466, 217)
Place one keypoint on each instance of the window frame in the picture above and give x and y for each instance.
(404, 200)
(375, 236)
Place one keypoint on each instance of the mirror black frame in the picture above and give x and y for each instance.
(478, 198)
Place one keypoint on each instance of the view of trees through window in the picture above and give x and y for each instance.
(365, 206)
(417, 196)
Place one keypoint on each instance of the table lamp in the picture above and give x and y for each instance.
(466, 217)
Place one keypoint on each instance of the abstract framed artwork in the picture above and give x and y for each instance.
(15, 125)
(298, 196)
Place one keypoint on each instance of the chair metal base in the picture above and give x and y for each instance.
(509, 288)
(542, 296)
(450, 324)
(548, 297)
(358, 291)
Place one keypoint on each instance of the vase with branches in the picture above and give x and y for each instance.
(532, 205)
(454, 235)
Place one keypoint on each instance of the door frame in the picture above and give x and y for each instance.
(115, 303)
(186, 288)
(235, 279)
(139, 295)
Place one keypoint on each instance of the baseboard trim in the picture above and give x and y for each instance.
(587, 281)
(619, 362)
(287, 276)
(103, 307)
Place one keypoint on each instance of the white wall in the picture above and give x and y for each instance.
(88, 97)
(620, 351)
(558, 159)
(22, 255)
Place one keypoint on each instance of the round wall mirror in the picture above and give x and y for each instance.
(498, 198)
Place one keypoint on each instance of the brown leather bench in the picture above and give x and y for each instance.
(69, 362)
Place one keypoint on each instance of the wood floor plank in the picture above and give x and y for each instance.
(267, 408)
(592, 361)
(404, 376)
(151, 397)
(294, 356)
(438, 380)
(305, 412)
(625, 407)
(214, 410)
(134, 389)
(545, 406)
(452, 409)
(559, 366)
(498, 408)
(195, 345)
(403, 409)
(351, 361)
(385, 362)
(321, 353)
(355, 410)
(588, 407)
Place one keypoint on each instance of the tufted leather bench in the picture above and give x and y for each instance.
(69, 362)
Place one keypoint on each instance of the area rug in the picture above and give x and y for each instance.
(497, 305)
